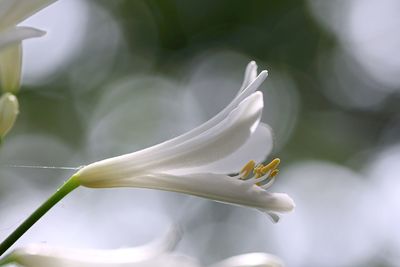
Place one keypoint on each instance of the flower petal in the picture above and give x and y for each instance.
(217, 187)
(152, 254)
(16, 34)
(249, 76)
(13, 12)
(256, 148)
(153, 151)
(251, 260)
(44, 255)
(213, 144)
(219, 141)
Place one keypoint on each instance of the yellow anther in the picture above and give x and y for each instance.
(271, 166)
(258, 170)
(246, 170)
(274, 173)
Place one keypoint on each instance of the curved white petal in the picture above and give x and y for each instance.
(16, 34)
(249, 76)
(243, 93)
(155, 253)
(256, 148)
(217, 187)
(13, 12)
(251, 260)
(219, 141)
(154, 151)
(215, 143)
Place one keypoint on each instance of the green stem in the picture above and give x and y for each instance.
(61, 192)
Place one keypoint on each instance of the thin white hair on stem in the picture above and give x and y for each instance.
(43, 167)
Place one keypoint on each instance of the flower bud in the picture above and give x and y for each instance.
(10, 68)
(8, 113)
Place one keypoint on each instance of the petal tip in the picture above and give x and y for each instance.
(263, 73)
(252, 64)
(258, 96)
(291, 206)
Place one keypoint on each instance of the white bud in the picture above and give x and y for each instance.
(8, 113)
(10, 68)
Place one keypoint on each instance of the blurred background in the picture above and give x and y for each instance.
(112, 77)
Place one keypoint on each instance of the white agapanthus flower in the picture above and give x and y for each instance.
(42, 255)
(251, 260)
(206, 161)
(158, 253)
(12, 12)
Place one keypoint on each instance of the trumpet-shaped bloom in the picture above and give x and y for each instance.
(12, 12)
(207, 160)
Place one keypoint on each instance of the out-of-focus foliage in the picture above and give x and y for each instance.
(116, 76)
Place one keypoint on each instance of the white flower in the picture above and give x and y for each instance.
(155, 254)
(8, 113)
(12, 12)
(199, 162)
(251, 260)
(43, 255)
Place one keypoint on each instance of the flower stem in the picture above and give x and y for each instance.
(61, 192)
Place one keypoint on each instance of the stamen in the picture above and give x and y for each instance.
(272, 165)
(258, 170)
(260, 180)
(264, 175)
(268, 184)
(274, 173)
(246, 170)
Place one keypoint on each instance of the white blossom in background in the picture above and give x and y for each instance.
(43, 255)
(12, 12)
(9, 110)
(203, 161)
(155, 254)
(251, 260)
